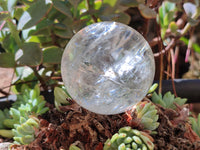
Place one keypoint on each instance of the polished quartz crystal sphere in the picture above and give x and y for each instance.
(107, 67)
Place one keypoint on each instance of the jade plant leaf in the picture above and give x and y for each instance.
(75, 2)
(7, 60)
(119, 17)
(123, 18)
(147, 12)
(60, 97)
(61, 7)
(3, 15)
(173, 27)
(189, 8)
(197, 3)
(9, 44)
(34, 14)
(30, 54)
(111, 3)
(10, 5)
(129, 3)
(67, 33)
(73, 147)
(18, 12)
(175, 1)
(52, 55)
(42, 28)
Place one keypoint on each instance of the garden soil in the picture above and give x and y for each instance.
(89, 131)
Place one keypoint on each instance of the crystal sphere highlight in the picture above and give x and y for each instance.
(107, 67)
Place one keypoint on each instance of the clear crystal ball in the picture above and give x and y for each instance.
(107, 67)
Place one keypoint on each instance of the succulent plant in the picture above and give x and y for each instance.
(3, 115)
(153, 88)
(168, 100)
(74, 147)
(60, 97)
(195, 122)
(145, 114)
(28, 103)
(21, 119)
(129, 139)
(24, 131)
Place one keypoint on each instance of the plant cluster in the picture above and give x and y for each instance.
(168, 100)
(129, 139)
(147, 114)
(21, 119)
(195, 122)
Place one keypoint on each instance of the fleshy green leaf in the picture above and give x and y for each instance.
(168, 98)
(34, 14)
(175, 1)
(168, 18)
(192, 21)
(112, 3)
(198, 120)
(105, 9)
(169, 6)
(6, 133)
(119, 17)
(39, 39)
(10, 5)
(189, 8)
(153, 88)
(52, 55)
(157, 99)
(30, 54)
(197, 3)
(180, 101)
(9, 44)
(9, 123)
(147, 12)
(18, 12)
(32, 122)
(60, 97)
(27, 129)
(42, 29)
(61, 6)
(15, 113)
(7, 60)
(166, 15)
(129, 3)
(173, 27)
(3, 15)
(27, 139)
(195, 125)
(73, 147)
(67, 33)
(75, 2)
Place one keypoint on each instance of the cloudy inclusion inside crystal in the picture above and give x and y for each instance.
(107, 67)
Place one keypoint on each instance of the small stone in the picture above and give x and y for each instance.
(107, 67)
(5, 145)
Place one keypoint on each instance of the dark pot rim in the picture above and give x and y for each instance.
(185, 88)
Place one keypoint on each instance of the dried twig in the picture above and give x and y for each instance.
(4, 92)
(169, 46)
(42, 81)
(173, 71)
